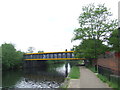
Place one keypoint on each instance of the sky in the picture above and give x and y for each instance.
(46, 25)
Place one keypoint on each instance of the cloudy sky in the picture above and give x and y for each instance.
(43, 24)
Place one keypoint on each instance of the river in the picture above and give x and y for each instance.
(51, 76)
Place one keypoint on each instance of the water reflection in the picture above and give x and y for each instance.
(25, 83)
(65, 69)
(50, 77)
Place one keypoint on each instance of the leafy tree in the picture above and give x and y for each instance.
(31, 49)
(87, 49)
(40, 51)
(94, 23)
(10, 57)
(19, 58)
(8, 53)
(95, 28)
(114, 41)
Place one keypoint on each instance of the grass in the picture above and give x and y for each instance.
(102, 78)
(75, 72)
(80, 62)
(105, 80)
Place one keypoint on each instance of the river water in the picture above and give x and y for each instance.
(51, 76)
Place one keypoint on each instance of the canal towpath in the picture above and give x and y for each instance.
(87, 79)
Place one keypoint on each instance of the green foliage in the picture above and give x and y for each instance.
(31, 49)
(40, 51)
(10, 57)
(92, 68)
(114, 85)
(10, 78)
(75, 72)
(103, 78)
(90, 48)
(94, 23)
(114, 41)
(95, 28)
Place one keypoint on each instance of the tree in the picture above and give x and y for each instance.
(31, 49)
(94, 23)
(10, 57)
(8, 53)
(40, 51)
(114, 41)
(87, 49)
(95, 26)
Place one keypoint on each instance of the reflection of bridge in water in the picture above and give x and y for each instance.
(55, 74)
(66, 55)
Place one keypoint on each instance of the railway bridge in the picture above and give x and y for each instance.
(65, 55)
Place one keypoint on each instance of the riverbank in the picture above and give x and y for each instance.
(74, 75)
(72, 78)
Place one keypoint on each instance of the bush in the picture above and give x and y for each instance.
(11, 58)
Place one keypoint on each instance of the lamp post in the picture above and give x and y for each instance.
(95, 55)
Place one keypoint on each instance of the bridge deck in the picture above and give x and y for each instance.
(66, 55)
(58, 59)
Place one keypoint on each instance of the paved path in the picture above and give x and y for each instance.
(87, 80)
(74, 83)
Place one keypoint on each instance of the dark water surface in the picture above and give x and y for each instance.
(51, 76)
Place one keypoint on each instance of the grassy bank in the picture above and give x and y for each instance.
(111, 84)
(74, 73)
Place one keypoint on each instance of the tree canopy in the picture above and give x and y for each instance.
(88, 49)
(114, 41)
(31, 49)
(10, 56)
(95, 23)
(95, 28)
